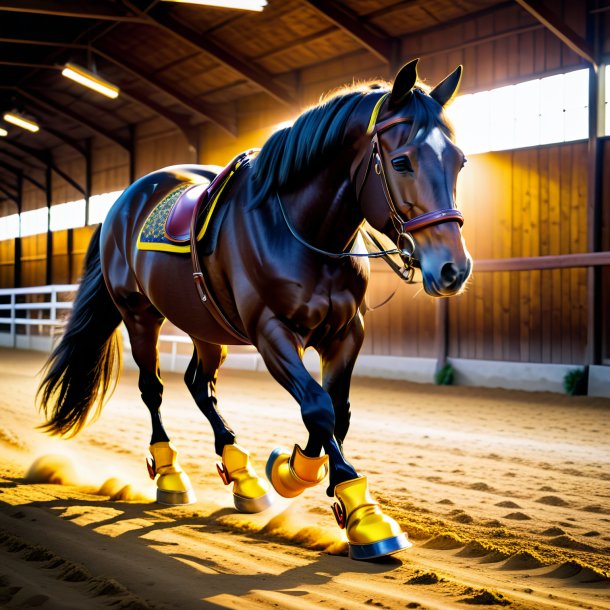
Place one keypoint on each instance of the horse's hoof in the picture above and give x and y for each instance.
(370, 532)
(374, 550)
(173, 485)
(292, 474)
(175, 498)
(251, 493)
(252, 505)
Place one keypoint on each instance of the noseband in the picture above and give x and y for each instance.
(404, 228)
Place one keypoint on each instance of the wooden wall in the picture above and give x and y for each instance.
(520, 203)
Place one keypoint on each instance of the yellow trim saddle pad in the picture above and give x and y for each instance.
(152, 234)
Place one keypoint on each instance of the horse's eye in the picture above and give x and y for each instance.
(402, 164)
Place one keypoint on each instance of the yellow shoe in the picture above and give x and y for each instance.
(251, 493)
(173, 485)
(370, 532)
(291, 475)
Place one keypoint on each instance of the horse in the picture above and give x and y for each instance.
(287, 271)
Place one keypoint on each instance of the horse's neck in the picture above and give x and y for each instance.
(325, 210)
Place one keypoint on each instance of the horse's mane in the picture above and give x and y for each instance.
(294, 153)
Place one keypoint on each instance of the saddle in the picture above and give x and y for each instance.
(168, 226)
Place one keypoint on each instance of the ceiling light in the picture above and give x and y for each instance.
(15, 119)
(91, 80)
(244, 5)
(3, 133)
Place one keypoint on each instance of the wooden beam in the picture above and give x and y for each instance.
(201, 109)
(180, 121)
(564, 32)
(10, 196)
(17, 243)
(161, 17)
(92, 9)
(18, 172)
(539, 263)
(381, 46)
(47, 161)
(45, 102)
(595, 204)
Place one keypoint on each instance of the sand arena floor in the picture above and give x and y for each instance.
(506, 496)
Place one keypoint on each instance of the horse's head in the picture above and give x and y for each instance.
(406, 178)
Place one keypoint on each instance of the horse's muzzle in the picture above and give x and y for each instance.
(449, 278)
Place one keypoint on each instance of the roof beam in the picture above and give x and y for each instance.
(91, 9)
(555, 25)
(49, 104)
(201, 109)
(181, 122)
(10, 196)
(47, 161)
(18, 172)
(380, 46)
(161, 17)
(8, 187)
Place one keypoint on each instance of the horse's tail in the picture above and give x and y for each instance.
(83, 368)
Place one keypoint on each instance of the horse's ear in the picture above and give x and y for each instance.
(446, 89)
(403, 83)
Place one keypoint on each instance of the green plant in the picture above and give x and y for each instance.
(444, 375)
(575, 382)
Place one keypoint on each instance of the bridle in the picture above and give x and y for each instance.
(404, 228)
(359, 174)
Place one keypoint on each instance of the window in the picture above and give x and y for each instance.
(36, 221)
(68, 215)
(9, 226)
(99, 206)
(541, 111)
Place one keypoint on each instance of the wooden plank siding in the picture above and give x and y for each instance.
(524, 203)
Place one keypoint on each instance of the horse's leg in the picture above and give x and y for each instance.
(143, 324)
(370, 532)
(251, 493)
(291, 474)
(338, 359)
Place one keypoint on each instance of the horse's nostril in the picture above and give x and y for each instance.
(449, 275)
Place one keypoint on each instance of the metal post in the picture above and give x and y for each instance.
(88, 177)
(49, 196)
(442, 333)
(594, 202)
(17, 243)
(13, 323)
(132, 153)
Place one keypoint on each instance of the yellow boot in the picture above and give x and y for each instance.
(251, 493)
(370, 533)
(173, 485)
(291, 475)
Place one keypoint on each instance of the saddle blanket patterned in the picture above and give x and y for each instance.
(153, 235)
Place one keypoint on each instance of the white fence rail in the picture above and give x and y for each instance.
(31, 318)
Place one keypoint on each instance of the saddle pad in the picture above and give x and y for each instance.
(153, 234)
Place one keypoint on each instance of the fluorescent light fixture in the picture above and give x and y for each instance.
(244, 5)
(3, 133)
(15, 119)
(91, 80)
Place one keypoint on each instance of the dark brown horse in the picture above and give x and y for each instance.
(284, 275)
